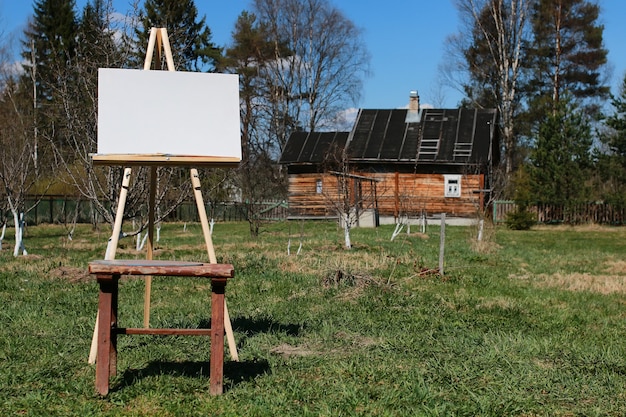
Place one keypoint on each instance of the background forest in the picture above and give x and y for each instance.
(541, 63)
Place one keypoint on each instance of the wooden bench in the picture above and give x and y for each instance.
(108, 274)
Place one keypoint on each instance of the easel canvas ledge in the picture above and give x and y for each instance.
(166, 160)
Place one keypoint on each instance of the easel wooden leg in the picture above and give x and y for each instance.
(197, 191)
(110, 252)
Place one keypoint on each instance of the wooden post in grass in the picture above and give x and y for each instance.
(442, 242)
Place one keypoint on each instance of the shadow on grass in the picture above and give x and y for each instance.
(235, 373)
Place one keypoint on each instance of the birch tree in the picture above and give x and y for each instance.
(17, 173)
(493, 34)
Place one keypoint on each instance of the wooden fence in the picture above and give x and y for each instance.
(579, 213)
(62, 210)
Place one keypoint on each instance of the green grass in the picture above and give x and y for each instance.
(530, 325)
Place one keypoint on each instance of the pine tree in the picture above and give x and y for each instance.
(566, 55)
(190, 37)
(247, 56)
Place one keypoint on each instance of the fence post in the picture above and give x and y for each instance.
(442, 242)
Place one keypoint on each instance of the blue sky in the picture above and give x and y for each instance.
(404, 37)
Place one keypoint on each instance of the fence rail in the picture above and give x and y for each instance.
(579, 213)
(60, 210)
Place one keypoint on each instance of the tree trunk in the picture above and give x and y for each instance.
(346, 230)
(4, 228)
(18, 219)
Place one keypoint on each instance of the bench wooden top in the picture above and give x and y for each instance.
(159, 267)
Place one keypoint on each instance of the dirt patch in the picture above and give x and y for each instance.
(71, 274)
(288, 350)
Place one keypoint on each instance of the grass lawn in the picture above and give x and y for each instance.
(524, 324)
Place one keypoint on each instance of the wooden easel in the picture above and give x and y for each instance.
(159, 38)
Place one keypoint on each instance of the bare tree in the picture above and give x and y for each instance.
(319, 61)
(18, 177)
(99, 46)
(349, 194)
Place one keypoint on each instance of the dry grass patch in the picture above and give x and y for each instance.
(504, 303)
(578, 228)
(602, 284)
(484, 246)
(616, 267)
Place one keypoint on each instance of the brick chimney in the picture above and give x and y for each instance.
(414, 101)
(413, 115)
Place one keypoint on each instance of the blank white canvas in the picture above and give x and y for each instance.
(168, 112)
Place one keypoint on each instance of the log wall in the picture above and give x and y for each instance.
(396, 194)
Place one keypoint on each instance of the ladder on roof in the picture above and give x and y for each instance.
(463, 149)
(428, 150)
(429, 145)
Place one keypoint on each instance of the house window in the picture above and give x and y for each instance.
(452, 185)
(318, 186)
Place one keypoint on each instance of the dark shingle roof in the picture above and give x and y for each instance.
(438, 136)
(312, 147)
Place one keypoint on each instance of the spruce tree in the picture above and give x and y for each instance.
(617, 122)
(189, 36)
(49, 48)
(612, 163)
(560, 160)
(50, 44)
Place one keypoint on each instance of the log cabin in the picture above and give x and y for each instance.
(397, 162)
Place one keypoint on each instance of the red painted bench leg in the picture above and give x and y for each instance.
(218, 287)
(106, 362)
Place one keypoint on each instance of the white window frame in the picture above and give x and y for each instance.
(319, 186)
(452, 187)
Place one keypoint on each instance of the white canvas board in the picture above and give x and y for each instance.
(168, 112)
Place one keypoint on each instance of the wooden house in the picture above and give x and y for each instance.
(397, 162)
